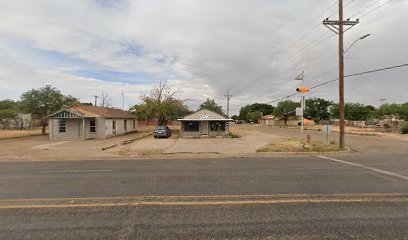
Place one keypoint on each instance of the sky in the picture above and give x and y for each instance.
(253, 48)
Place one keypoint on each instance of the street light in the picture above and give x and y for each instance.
(358, 39)
(341, 78)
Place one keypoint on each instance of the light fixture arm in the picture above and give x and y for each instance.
(358, 39)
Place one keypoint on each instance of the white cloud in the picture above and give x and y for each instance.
(206, 47)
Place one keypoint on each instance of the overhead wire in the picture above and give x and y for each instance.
(367, 7)
(346, 76)
(303, 34)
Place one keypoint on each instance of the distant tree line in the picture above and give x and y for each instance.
(162, 103)
(318, 109)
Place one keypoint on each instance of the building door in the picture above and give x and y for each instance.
(204, 128)
(114, 127)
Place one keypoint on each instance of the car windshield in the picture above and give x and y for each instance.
(160, 128)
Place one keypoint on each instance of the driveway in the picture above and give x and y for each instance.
(248, 143)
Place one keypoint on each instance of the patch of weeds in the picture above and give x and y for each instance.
(148, 152)
(318, 146)
(234, 135)
(292, 145)
(404, 129)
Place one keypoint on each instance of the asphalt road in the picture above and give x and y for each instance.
(348, 196)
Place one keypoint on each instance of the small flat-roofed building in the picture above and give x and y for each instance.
(204, 123)
(83, 122)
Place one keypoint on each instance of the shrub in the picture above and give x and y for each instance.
(233, 135)
(404, 128)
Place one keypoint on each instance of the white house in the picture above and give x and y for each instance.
(204, 123)
(81, 122)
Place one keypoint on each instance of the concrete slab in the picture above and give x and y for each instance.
(247, 144)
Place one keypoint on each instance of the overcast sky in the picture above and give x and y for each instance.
(254, 48)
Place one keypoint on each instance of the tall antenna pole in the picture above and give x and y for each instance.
(96, 100)
(123, 100)
(228, 96)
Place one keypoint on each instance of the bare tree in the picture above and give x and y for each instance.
(164, 92)
(161, 102)
(105, 100)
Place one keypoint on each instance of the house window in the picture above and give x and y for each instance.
(134, 124)
(62, 126)
(125, 123)
(92, 126)
(217, 126)
(191, 126)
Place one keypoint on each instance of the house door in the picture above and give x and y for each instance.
(114, 127)
(204, 128)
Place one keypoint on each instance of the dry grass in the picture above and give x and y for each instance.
(19, 133)
(292, 145)
(149, 152)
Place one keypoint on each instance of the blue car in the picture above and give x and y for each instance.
(162, 131)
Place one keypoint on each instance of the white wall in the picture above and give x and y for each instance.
(103, 129)
(120, 127)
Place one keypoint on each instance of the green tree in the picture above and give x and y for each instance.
(254, 116)
(354, 111)
(211, 105)
(161, 104)
(246, 112)
(8, 112)
(45, 101)
(397, 109)
(235, 117)
(286, 109)
(317, 109)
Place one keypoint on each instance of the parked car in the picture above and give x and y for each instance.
(162, 131)
(238, 122)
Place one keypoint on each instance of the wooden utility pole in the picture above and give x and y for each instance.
(341, 77)
(228, 96)
(337, 26)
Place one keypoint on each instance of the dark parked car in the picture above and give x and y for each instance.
(162, 131)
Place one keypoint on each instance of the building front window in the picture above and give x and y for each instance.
(125, 123)
(134, 124)
(217, 126)
(92, 126)
(62, 126)
(191, 126)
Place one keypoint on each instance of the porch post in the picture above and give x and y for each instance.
(51, 128)
(83, 127)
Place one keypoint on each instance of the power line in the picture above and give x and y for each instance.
(367, 7)
(257, 73)
(375, 9)
(346, 76)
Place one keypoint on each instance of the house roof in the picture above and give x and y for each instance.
(268, 117)
(86, 111)
(205, 115)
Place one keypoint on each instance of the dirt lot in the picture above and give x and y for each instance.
(41, 148)
(252, 138)
(19, 133)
